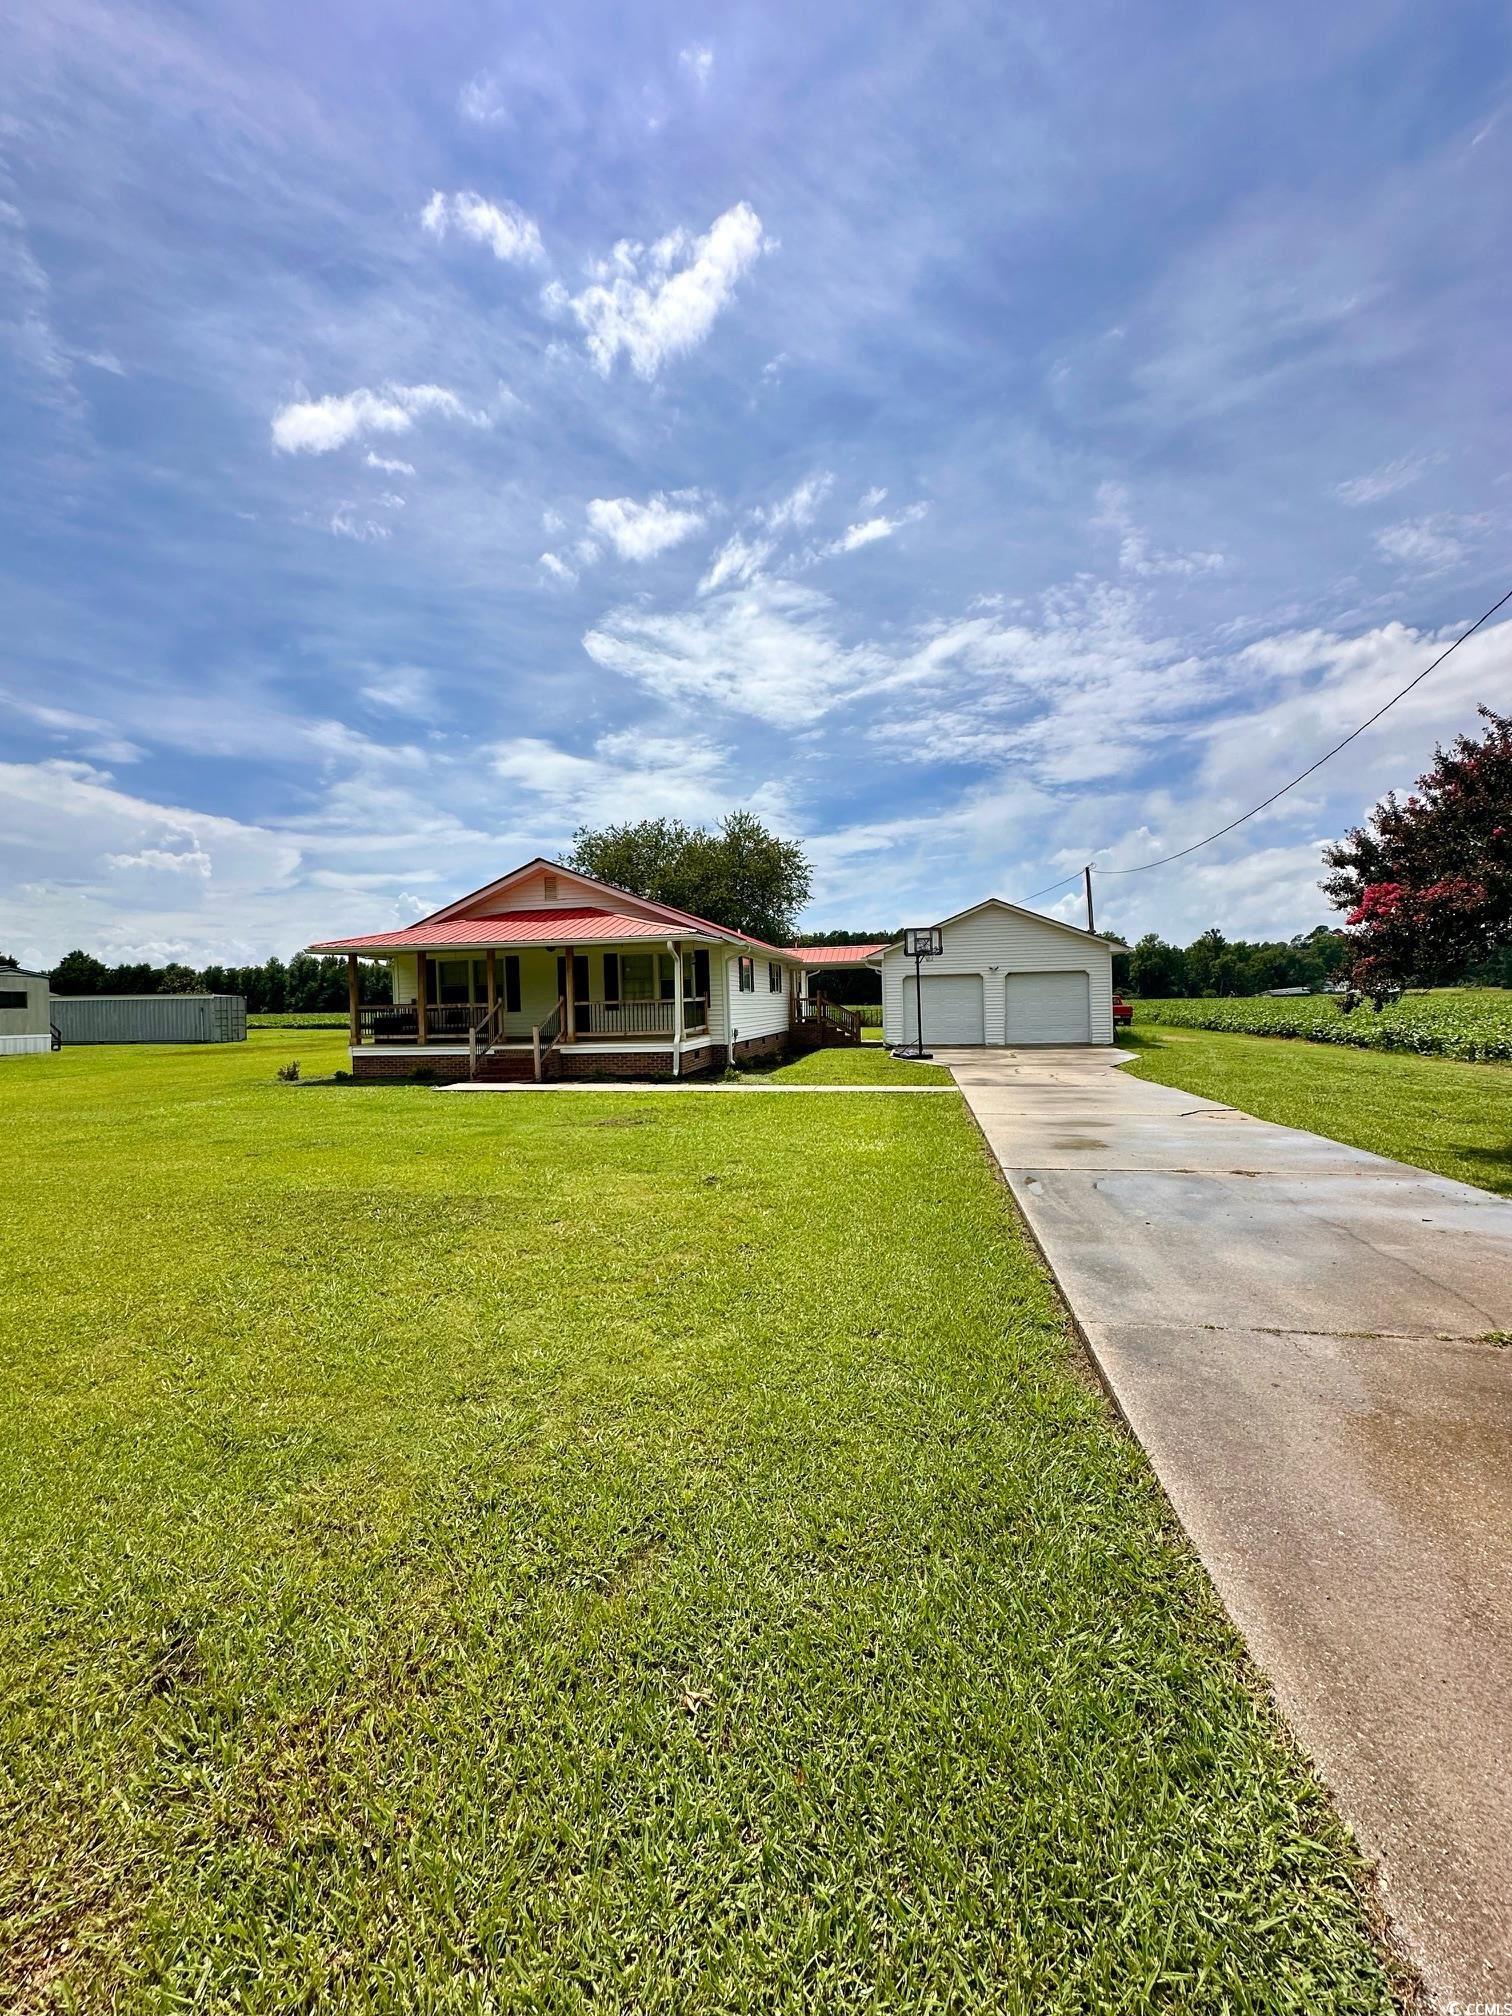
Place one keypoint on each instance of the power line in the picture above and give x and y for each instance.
(1301, 776)
(1055, 885)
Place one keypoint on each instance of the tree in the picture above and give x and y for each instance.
(77, 973)
(1157, 971)
(1427, 881)
(740, 875)
(10, 965)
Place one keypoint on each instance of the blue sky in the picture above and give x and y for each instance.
(975, 438)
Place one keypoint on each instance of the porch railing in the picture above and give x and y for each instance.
(638, 1018)
(399, 1021)
(470, 1022)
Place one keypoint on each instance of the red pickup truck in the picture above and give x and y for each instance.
(1123, 1012)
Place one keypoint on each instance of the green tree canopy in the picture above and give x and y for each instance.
(739, 875)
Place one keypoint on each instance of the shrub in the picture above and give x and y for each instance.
(288, 1074)
(1472, 1024)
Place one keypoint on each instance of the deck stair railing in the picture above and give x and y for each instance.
(545, 1036)
(483, 1036)
(813, 1013)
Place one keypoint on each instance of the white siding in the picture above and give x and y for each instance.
(750, 1015)
(530, 894)
(995, 941)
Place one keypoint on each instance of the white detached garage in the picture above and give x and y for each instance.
(1006, 976)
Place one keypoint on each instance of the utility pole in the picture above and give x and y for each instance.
(1087, 878)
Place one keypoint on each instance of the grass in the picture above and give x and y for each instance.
(595, 1553)
(863, 1064)
(1430, 1111)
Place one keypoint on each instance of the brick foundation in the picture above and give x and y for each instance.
(579, 1062)
(371, 1066)
(776, 1045)
(569, 1061)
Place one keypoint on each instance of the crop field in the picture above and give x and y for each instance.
(1473, 1024)
(301, 1018)
(596, 1552)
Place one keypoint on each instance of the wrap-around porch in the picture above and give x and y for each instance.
(535, 1002)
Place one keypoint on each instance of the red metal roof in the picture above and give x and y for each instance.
(556, 926)
(837, 955)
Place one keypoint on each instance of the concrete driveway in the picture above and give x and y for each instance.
(1302, 1337)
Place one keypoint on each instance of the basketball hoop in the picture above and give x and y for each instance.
(925, 941)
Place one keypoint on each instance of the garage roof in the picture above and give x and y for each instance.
(1038, 916)
(837, 955)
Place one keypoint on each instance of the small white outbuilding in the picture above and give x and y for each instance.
(1005, 976)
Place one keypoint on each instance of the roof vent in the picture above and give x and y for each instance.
(550, 888)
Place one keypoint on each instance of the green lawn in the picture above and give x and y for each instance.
(861, 1064)
(597, 1553)
(1431, 1111)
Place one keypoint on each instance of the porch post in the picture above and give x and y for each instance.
(422, 982)
(677, 1009)
(569, 1028)
(354, 996)
(491, 968)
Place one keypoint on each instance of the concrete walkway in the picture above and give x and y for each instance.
(1302, 1337)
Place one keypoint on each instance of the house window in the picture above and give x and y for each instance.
(747, 976)
(774, 977)
(511, 983)
(637, 976)
(13, 998)
(447, 980)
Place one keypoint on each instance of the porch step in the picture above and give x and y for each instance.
(506, 1067)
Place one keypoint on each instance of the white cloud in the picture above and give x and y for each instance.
(771, 650)
(1428, 545)
(657, 302)
(406, 690)
(1385, 481)
(90, 735)
(346, 524)
(875, 496)
(557, 569)
(481, 100)
(1135, 554)
(641, 531)
(867, 533)
(698, 60)
(552, 521)
(738, 560)
(390, 464)
(103, 360)
(502, 226)
(800, 504)
(659, 773)
(316, 426)
(179, 861)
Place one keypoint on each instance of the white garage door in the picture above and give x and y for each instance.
(1048, 1008)
(952, 1009)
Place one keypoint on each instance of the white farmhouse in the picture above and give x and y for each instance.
(1006, 976)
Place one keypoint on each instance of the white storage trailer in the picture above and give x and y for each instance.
(24, 1024)
(150, 1018)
